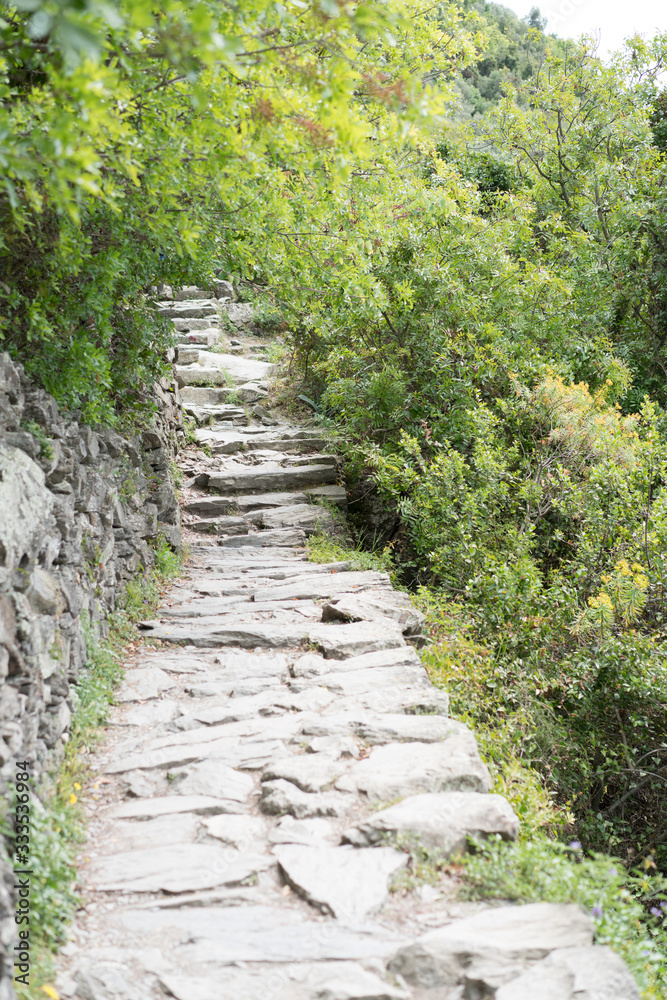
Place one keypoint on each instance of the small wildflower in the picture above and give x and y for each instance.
(575, 845)
(77, 786)
(613, 872)
(72, 798)
(596, 912)
(655, 911)
(663, 907)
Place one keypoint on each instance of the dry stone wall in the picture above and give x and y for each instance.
(80, 512)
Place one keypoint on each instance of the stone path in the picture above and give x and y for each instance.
(271, 751)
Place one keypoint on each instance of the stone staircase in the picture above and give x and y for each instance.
(276, 748)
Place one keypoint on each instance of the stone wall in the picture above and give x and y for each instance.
(79, 511)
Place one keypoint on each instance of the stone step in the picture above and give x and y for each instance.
(213, 505)
(220, 526)
(187, 355)
(332, 494)
(190, 293)
(240, 313)
(468, 953)
(318, 458)
(262, 478)
(322, 585)
(223, 414)
(225, 442)
(199, 324)
(197, 375)
(336, 641)
(342, 882)
(206, 395)
(273, 570)
(240, 370)
(273, 537)
(202, 338)
(190, 310)
(310, 517)
(444, 821)
(374, 605)
(252, 392)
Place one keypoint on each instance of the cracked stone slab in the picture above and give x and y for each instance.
(246, 833)
(162, 831)
(339, 641)
(312, 832)
(249, 755)
(185, 663)
(422, 699)
(226, 525)
(142, 809)
(265, 729)
(260, 479)
(376, 605)
(214, 778)
(224, 936)
(493, 947)
(321, 981)
(240, 369)
(289, 537)
(239, 708)
(588, 973)
(396, 728)
(348, 981)
(324, 585)
(312, 664)
(140, 685)
(345, 882)
(250, 636)
(385, 679)
(443, 821)
(334, 746)
(281, 797)
(176, 868)
(398, 770)
(309, 517)
(201, 607)
(149, 715)
(311, 772)
(100, 978)
(190, 310)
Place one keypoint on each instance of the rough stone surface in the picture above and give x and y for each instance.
(443, 821)
(281, 797)
(323, 585)
(584, 973)
(176, 868)
(310, 772)
(345, 882)
(493, 947)
(401, 769)
(372, 605)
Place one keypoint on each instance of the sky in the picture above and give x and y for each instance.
(610, 20)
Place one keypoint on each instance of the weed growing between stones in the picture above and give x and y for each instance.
(58, 826)
(324, 548)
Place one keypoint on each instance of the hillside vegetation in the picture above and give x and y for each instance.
(460, 224)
